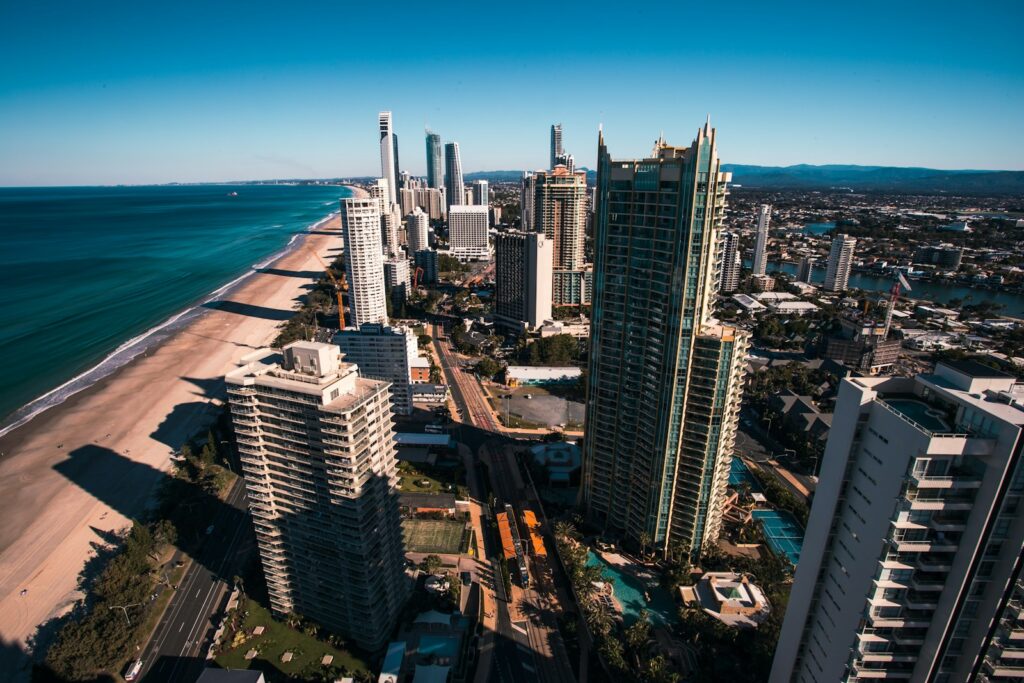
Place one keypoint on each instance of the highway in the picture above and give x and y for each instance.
(177, 650)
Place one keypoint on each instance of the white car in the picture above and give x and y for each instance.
(133, 670)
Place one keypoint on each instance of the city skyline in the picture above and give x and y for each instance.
(245, 104)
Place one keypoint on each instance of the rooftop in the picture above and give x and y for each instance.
(975, 369)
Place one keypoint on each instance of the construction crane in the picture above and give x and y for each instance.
(338, 288)
(416, 274)
(894, 294)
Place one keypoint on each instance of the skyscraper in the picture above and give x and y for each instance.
(665, 378)
(317, 448)
(454, 187)
(911, 563)
(560, 212)
(527, 190)
(416, 228)
(388, 150)
(566, 160)
(435, 161)
(364, 260)
(522, 278)
(396, 279)
(481, 193)
(760, 260)
(467, 233)
(730, 262)
(840, 262)
(556, 144)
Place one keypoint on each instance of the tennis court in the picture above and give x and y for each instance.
(444, 536)
(783, 532)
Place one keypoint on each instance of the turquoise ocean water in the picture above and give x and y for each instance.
(93, 276)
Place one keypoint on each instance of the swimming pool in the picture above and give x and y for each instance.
(783, 533)
(441, 646)
(919, 412)
(739, 474)
(629, 591)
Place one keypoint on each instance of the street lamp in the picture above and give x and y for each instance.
(124, 608)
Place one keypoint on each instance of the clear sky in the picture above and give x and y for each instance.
(136, 92)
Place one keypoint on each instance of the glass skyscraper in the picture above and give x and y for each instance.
(435, 161)
(665, 378)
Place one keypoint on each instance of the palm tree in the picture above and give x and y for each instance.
(599, 619)
(564, 529)
(645, 540)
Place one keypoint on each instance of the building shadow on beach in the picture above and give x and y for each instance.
(251, 310)
(301, 274)
(181, 423)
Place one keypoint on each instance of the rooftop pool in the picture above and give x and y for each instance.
(931, 419)
(629, 591)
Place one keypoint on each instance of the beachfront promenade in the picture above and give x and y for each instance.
(86, 467)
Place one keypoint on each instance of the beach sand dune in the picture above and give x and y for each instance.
(87, 466)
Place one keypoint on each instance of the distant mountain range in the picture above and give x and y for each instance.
(841, 176)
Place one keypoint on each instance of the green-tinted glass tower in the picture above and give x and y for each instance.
(665, 378)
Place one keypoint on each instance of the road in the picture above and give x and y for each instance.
(527, 646)
(177, 650)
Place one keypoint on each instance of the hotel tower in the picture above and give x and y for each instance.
(665, 378)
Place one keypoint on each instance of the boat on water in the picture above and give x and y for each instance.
(232, 194)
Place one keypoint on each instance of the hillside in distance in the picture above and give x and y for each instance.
(877, 179)
(849, 177)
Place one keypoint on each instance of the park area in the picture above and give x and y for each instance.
(447, 476)
(440, 536)
(281, 652)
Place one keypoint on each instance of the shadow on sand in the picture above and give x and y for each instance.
(250, 310)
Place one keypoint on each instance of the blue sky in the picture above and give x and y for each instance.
(136, 92)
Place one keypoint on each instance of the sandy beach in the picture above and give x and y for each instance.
(90, 464)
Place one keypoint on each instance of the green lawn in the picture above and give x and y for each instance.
(423, 478)
(443, 536)
(275, 641)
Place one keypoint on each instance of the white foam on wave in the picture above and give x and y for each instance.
(138, 345)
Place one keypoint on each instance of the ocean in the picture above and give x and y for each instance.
(93, 276)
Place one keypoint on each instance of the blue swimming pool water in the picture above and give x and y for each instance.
(629, 591)
(441, 646)
(783, 532)
(920, 413)
(739, 475)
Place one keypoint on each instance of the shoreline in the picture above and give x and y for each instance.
(150, 338)
(86, 465)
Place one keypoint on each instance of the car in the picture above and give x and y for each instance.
(209, 530)
(133, 671)
(528, 396)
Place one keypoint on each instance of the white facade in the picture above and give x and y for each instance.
(915, 532)
(527, 190)
(384, 353)
(467, 233)
(481, 193)
(396, 277)
(730, 263)
(760, 260)
(316, 443)
(840, 262)
(387, 155)
(417, 226)
(364, 261)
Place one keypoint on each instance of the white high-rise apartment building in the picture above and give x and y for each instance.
(481, 193)
(387, 155)
(467, 233)
(386, 353)
(840, 262)
(364, 260)
(760, 260)
(522, 278)
(805, 269)
(316, 443)
(396, 278)
(910, 567)
(730, 262)
(417, 227)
